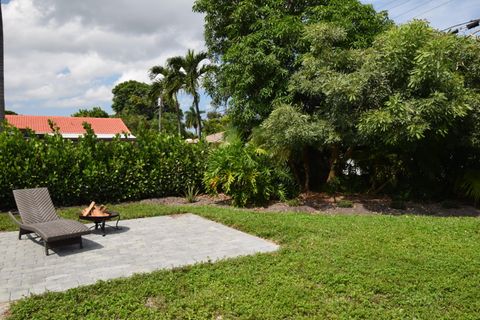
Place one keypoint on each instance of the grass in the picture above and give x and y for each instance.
(132, 210)
(345, 204)
(329, 267)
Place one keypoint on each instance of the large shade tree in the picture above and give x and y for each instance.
(132, 97)
(405, 111)
(258, 46)
(95, 112)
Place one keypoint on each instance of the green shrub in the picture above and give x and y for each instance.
(191, 194)
(345, 204)
(247, 174)
(333, 187)
(104, 171)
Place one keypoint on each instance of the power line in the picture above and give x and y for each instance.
(400, 5)
(386, 4)
(474, 34)
(413, 9)
(434, 8)
(461, 24)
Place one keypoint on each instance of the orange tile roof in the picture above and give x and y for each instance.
(68, 125)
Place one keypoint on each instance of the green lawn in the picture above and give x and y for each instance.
(329, 267)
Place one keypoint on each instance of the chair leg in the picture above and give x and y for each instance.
(46, 248)
(81, 242)
(21, 232)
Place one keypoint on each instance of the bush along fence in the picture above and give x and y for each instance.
(91, 169)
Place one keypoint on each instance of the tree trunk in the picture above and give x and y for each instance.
(306, 166)
(160, 107)
(196, 102)
(196, 130)
(2, 84)
(296, 175)
(335, 153)
(179, 120)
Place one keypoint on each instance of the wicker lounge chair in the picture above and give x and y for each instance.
(38, 216)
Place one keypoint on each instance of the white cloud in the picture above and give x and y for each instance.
(61, 55)
(102, 93)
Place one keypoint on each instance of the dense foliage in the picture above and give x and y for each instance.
(247, 174)
(132, 97)
(404, 110)
(136, 103)
(258, 44)
(90, 169)
(341, 94)
(95, 112)
(215, 123)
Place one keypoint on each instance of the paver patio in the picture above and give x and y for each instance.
(143, 245)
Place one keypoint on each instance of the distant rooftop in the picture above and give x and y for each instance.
(218, 137)
(70, 127)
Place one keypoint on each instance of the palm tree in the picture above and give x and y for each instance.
(191, 119)
(169, 85)
(155, 96)
(2, 83)
(193, 72)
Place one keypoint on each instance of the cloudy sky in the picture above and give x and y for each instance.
(62, 55)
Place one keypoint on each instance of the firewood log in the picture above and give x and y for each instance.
(98, 211)
(88, 211)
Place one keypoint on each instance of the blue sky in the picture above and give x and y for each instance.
(63, 55)
(440, 13)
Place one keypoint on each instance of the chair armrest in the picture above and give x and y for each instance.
(13, 218)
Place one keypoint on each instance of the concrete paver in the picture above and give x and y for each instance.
(143, 245)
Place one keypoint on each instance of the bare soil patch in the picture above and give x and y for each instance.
(320, 203)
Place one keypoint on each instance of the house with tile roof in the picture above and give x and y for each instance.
(72, 127)
(215, 138)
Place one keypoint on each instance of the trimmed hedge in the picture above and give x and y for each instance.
(94, 170)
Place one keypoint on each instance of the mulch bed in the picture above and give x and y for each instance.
(320, 203)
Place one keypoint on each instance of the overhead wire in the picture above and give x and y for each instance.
(467, 25)
(460, 24)
(434, 8)
(386, 4)
(463, 27)
(399, 5)
(413, 9)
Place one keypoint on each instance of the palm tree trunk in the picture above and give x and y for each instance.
(196, 130)
(179, 120)
(2, 83)
(196, 102)
(160, 107)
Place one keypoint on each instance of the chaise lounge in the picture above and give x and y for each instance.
(38, 216)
